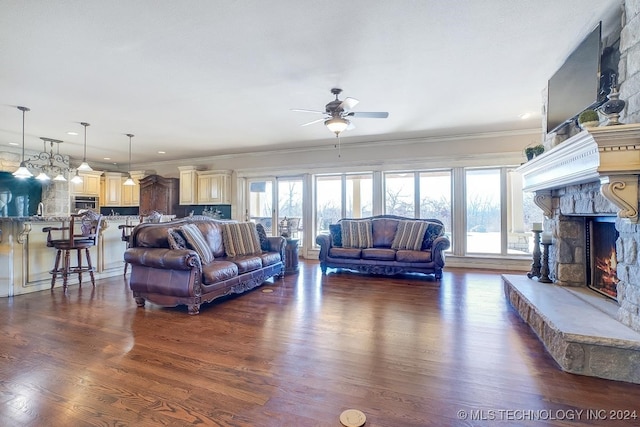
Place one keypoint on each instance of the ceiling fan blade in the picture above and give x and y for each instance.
(349, 103)
(314, 121)
(369, 114)
(307, 111)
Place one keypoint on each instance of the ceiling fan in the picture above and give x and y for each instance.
(337, 113)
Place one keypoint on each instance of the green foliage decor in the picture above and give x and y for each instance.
(588, 116)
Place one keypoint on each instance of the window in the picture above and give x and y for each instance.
(484, 214)
(399, 194)
(435, 196)
(342, 196)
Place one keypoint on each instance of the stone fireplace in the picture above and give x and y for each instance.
(593, 175)
(587, 187)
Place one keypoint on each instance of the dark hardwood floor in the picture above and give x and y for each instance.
(406, 350)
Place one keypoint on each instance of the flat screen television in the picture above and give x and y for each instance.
(576, 85)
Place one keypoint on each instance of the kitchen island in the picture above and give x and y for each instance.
(25, 259)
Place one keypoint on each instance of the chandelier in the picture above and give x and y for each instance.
(50, 163)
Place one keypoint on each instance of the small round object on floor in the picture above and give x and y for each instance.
(353, 418)
(266, 291)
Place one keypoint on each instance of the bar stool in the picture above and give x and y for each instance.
(126, 237)
(153, 217)
(89, 223)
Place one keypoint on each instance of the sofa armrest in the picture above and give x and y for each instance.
(277, 244)
(172, 259)
(324, 240)
(439, 245)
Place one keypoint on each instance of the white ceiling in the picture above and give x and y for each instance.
(198, 78)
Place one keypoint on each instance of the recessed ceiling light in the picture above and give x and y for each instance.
(525, 116)
(72, 133)
(162, 152)
(107, 158)
(13, 143)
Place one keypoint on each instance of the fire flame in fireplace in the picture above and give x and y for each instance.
(607, 276)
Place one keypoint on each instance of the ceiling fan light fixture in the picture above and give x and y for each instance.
(336, 124)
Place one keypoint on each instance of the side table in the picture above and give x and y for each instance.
(291, 256)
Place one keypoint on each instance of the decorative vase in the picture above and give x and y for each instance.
(613, 107)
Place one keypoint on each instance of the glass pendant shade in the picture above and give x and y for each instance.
(60, 178)
(77, 179)
(337, 125)
(84, 166)
(43, 177)
(129, 181)
(22, 171)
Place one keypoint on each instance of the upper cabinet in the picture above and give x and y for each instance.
(204, 187)
(188, 185)
(112, 194)
(90, 184)
(115, 193)
(213, 188)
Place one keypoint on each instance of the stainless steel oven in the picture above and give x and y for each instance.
(84, 202)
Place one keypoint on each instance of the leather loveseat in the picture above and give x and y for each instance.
(385, 244)
(196, 260)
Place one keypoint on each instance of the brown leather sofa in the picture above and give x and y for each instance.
(420, 249)
(171, 277)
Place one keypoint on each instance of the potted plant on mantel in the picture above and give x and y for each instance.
(534, 151)
(588, 119)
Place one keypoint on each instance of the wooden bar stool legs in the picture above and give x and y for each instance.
(67, 269)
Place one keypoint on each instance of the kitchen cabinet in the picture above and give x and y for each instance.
(112, 189)
(115, 193)
(188, 185)
(213, 187)
(90, 184)
(159, 194)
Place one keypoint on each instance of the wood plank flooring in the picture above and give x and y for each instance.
(405, 350)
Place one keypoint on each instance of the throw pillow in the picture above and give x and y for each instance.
(262, 236)
(335, 230)
(356, 234)
(195, 239)
(176, 239)
(434, 230)
(240, 239)
(409, 235)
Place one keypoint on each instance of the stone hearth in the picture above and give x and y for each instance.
(578, 327)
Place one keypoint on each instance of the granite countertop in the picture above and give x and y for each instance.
(64, 218)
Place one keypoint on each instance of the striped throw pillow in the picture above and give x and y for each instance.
(356, 234)
(240, 239)
(196, 241)
(409, 235)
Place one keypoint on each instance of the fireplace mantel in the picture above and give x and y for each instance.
(609, 154)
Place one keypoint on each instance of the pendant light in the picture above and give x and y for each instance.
(84, 166)
(77, 179)
(129, 180)
(22, 172)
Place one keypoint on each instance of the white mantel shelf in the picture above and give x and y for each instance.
(609, 154)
